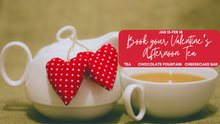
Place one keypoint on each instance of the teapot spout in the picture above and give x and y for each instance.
(110, 38)
(92, 44)
(95, 43)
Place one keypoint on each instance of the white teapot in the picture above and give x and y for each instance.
(91, 100)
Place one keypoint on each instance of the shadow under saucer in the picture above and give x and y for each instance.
(207, 111)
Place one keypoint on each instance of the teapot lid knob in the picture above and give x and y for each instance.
(71, 28)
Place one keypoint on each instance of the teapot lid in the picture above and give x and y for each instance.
(64, 46)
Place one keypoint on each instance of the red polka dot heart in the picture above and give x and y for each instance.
(66, 77)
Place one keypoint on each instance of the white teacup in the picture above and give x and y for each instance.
(167, 100)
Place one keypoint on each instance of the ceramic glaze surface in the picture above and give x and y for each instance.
(169, 100)
(74, 113)
(38, 88)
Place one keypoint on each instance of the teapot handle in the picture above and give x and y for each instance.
(29, 59)
(71, 28)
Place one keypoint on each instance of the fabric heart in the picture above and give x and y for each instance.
(102, 67)
(66, 77)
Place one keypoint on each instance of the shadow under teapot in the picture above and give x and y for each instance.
(91, 101)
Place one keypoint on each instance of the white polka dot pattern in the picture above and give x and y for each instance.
(103, 66)
(66, 77)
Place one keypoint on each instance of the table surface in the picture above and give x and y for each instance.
(36, 22)
(15, 108)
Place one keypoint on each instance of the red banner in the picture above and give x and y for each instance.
(169, 48)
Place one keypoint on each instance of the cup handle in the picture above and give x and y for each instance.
(127, 101)
(71, 28)
(2, 59)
